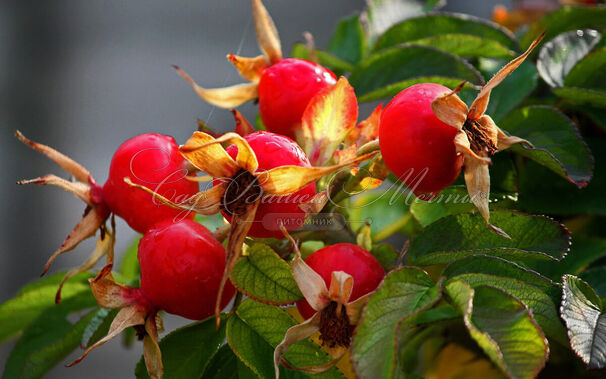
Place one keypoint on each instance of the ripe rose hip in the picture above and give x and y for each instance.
(181, 267)
(286, 88)
(366, 271)
(273, 150)
(152, 160)
(416, 146)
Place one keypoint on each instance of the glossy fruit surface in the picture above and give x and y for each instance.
(152, 160)
(285, 89)
(274, 150)
(416, 146)
(366, 271)
(181, 267)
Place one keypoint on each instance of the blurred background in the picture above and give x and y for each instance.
(84, 76)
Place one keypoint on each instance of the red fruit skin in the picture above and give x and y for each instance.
(352, 259)
(285, 89)
(412, 138)
(181, 268)
(273, 150)
(152, 160)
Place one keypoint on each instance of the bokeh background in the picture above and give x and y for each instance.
(84, 76)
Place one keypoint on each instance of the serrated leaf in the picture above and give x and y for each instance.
(99, 318)
(467, 46)
(326, 59)
(129, 265)
(256, 329)
(582, 96)
(187, 351)
(590, 72)
(565, 19)
(586, 321)
(349, 40)
(542, 306)
(503, 327)
(558, 56)
(34, 298)
(556, 141)
(397, 66)
(451, 201)
(416, 28)
(404, 292)
(49, 339)
(266, 277)
(454, 237)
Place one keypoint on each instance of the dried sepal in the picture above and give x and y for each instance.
(204, 202)
(366, 130)
(341, 286)
(105, 244)
(243, 127)
(110, 294)
(226, 97)
(450, 109)
(240, 225)
(478, 107)
(285, 180)
(65, 162)
(249, 68)
(463, 147)
(348, 154)
(310, 283)
(151, 348)
(201, 151)
(295, 334)
(246, 158)
(78, 189)
(355, 308)
(267, 34)
(328, 118)
(316, 203)
(311, 47)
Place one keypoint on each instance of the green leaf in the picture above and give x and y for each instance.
(413, 29)
(440, 313)
(451, 201)
(466, 46)
(590, 72)
(187, 351)
(326, 59)
(34, 298)
(265, 277)
(349, 41)
(397, 67)
(382, 14)
(454, 237)
(49, 339)
(558, 56)
(404, 293)
(563, 20)
(226, 365)
(101, 316)
(595, 278)
(386, 255)
(129, 265)
(503, 327)
(582, 96)
(556, 141)
(586, 321)
(542, 306)
(255, 330)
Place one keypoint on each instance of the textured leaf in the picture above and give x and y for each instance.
(582, 96)
(34, 298)
(403, 293)
(349, 40)
(556, 141)
(326, 59)
(49, 339)
(129, 265)
(465, 45)
(451, 201)
(590, 72)
(395, 65)
(444, 23)
(187, 351)
(542, 306)
(256, 329)
(586, 321)
(266, 277)
(454, 237)
(563, 20)
(558, 56)
(503, 327)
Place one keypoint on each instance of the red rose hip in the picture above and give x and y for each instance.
(286, 88)
(366, 271)
(181, 267)
(152, 160)
(416, 146)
